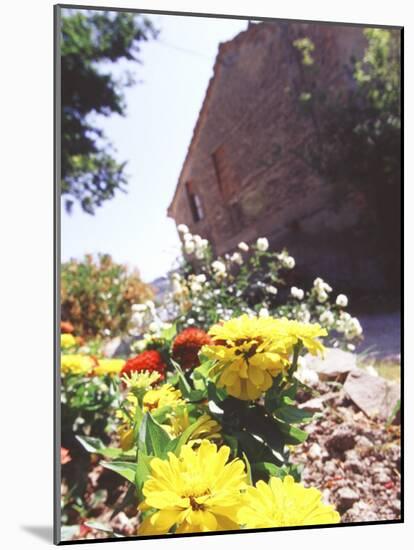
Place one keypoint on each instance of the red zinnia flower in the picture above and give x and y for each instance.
(150, 360)
(66, 327)
(64, 456)
(186, 346)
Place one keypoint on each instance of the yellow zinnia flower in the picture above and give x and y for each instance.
(109, 366)
(143, 380)
(67, 341)
(306, 333)
(249, 351)
(284, 503)
(197, 491)
(179, 421)
(162, 397)
(76, 364)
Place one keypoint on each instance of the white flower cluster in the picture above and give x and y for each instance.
(341, 300)
(219, 270)
(303, 314)
(236, 258)
(145, 318)
(263, 312)
(193, 244)
(197, 283)
(297, 293)
(349, 326)
(271, 289)
(288, 262)
(262, 244)
(327, 318)
(321, 289)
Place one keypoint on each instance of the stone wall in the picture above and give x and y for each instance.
(244, 162)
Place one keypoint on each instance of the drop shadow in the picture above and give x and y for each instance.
(42, 532)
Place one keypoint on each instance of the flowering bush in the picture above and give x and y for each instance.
(97, 296)
(205, 442)
(205, 290)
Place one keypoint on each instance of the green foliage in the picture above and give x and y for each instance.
(306, 47)
(90, 172)
(356, 140)
(258, 433)
(95, 445)
(96, 296)
(85, 402)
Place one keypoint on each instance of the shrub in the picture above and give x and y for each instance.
(205, 290)
(97, 295)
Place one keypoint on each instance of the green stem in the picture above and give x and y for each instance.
(296, 351)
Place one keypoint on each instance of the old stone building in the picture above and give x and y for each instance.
(245, 175)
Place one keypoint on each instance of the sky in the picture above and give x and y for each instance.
(153, 137)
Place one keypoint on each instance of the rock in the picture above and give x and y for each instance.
(382, 478)
(354, 465)
(117, 347)
(342, 439)
(335, 365)
(326, 496)
(375, 396)
(364, 443)
(312, 405)
(360, 511)
(346, 498)
(317, 403)
(370, 369)
(314, 451)
(396, 505)
(330, 468)
(351, 455)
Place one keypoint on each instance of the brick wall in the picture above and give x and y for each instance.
(244, 159)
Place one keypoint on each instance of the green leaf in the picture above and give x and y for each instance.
(254, 449)
(204, 368)
(218, 395)
(197, 395)
(291, 414)
(143, 471)
(175, 445)
(124, 469)
(161, 414)
(95, 445)
(183, 382)
(153, 439)
(292, 434)
(248, 469)
(169, 333)
(232, 442)
(266, 470)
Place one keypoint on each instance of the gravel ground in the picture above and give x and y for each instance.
(354, 461)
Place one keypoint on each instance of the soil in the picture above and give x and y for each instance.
(355, 461)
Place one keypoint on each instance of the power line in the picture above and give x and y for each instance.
(182, 50)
